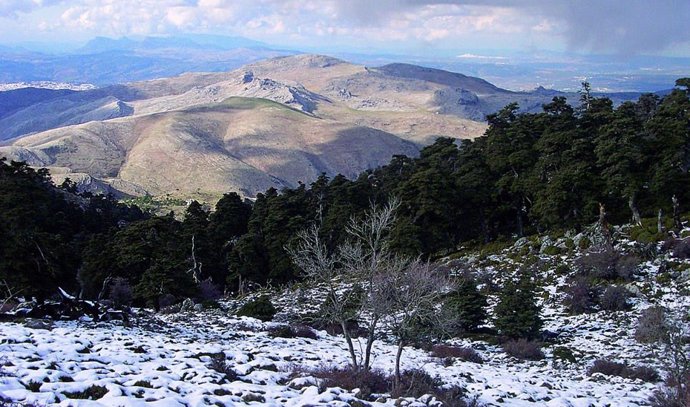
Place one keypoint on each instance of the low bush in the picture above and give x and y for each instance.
(652, 325)
(679, 248)
(292, 331)
(143, 383)
(209, 291)
(579, 297)
(523, 349)
(607, 265)
(334, 328)
(672, 394)
(220, 365)
(413, 383)
(93, 392)
(563, 355)
(368, 382)
(615, 298)
(610, 368)
(416, 383)
(261, 308)
(456, 352)
(33, 386)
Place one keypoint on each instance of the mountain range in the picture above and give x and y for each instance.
(272, 123)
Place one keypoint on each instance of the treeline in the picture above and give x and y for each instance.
(529, 173)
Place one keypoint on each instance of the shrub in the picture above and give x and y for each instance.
(615, 298)
(209, 291)
(368, 382)
(680, 248)
(609, 368)
(607, 265)
(673, 394)
(413, 383)
(261, 308)
(416, 383)
(121, 292)
(552, 250)
(523, 349)
(93, 392)
(33, 386)
(292, 331)
(652, 325)
(562, 354)
(465, 354)
(579, 298)
(220, 365)
(143, 383)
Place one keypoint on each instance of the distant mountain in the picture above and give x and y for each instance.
(147, 44)
(272, 123)
(105, 61)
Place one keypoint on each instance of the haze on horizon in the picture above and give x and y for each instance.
(621, 28)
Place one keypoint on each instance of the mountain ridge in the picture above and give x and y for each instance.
(271, 123)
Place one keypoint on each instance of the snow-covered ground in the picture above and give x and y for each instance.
(164, 360)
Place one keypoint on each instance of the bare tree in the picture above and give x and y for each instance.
(367, 255)
(362, 258)
(411, 291)
(320, 267)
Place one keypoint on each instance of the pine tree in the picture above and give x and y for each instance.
(465, 306)
(517, 313)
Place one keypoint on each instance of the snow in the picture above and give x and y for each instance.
(164, 360)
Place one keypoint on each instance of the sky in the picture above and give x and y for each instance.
(614, 27)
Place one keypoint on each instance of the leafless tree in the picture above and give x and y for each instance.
(367, 255)
(319, 266)
(657, 326)
(411, 291)
(363, 257)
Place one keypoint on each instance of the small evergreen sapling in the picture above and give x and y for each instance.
(517, 313)
(465, 306)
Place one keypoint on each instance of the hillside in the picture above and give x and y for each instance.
(213, 356)
(273, 123)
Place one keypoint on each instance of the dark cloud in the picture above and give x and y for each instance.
(621, 26)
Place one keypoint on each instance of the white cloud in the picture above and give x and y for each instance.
(625, 25)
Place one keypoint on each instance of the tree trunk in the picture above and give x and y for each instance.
(398, 356)
(604, 226)
(632, 204)
(371, 336)
(518, 219)
(677, 226)
(660, 221)
(484, 226)
(350, 346)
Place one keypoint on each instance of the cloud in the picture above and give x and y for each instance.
(622, 26)
(12, 8)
